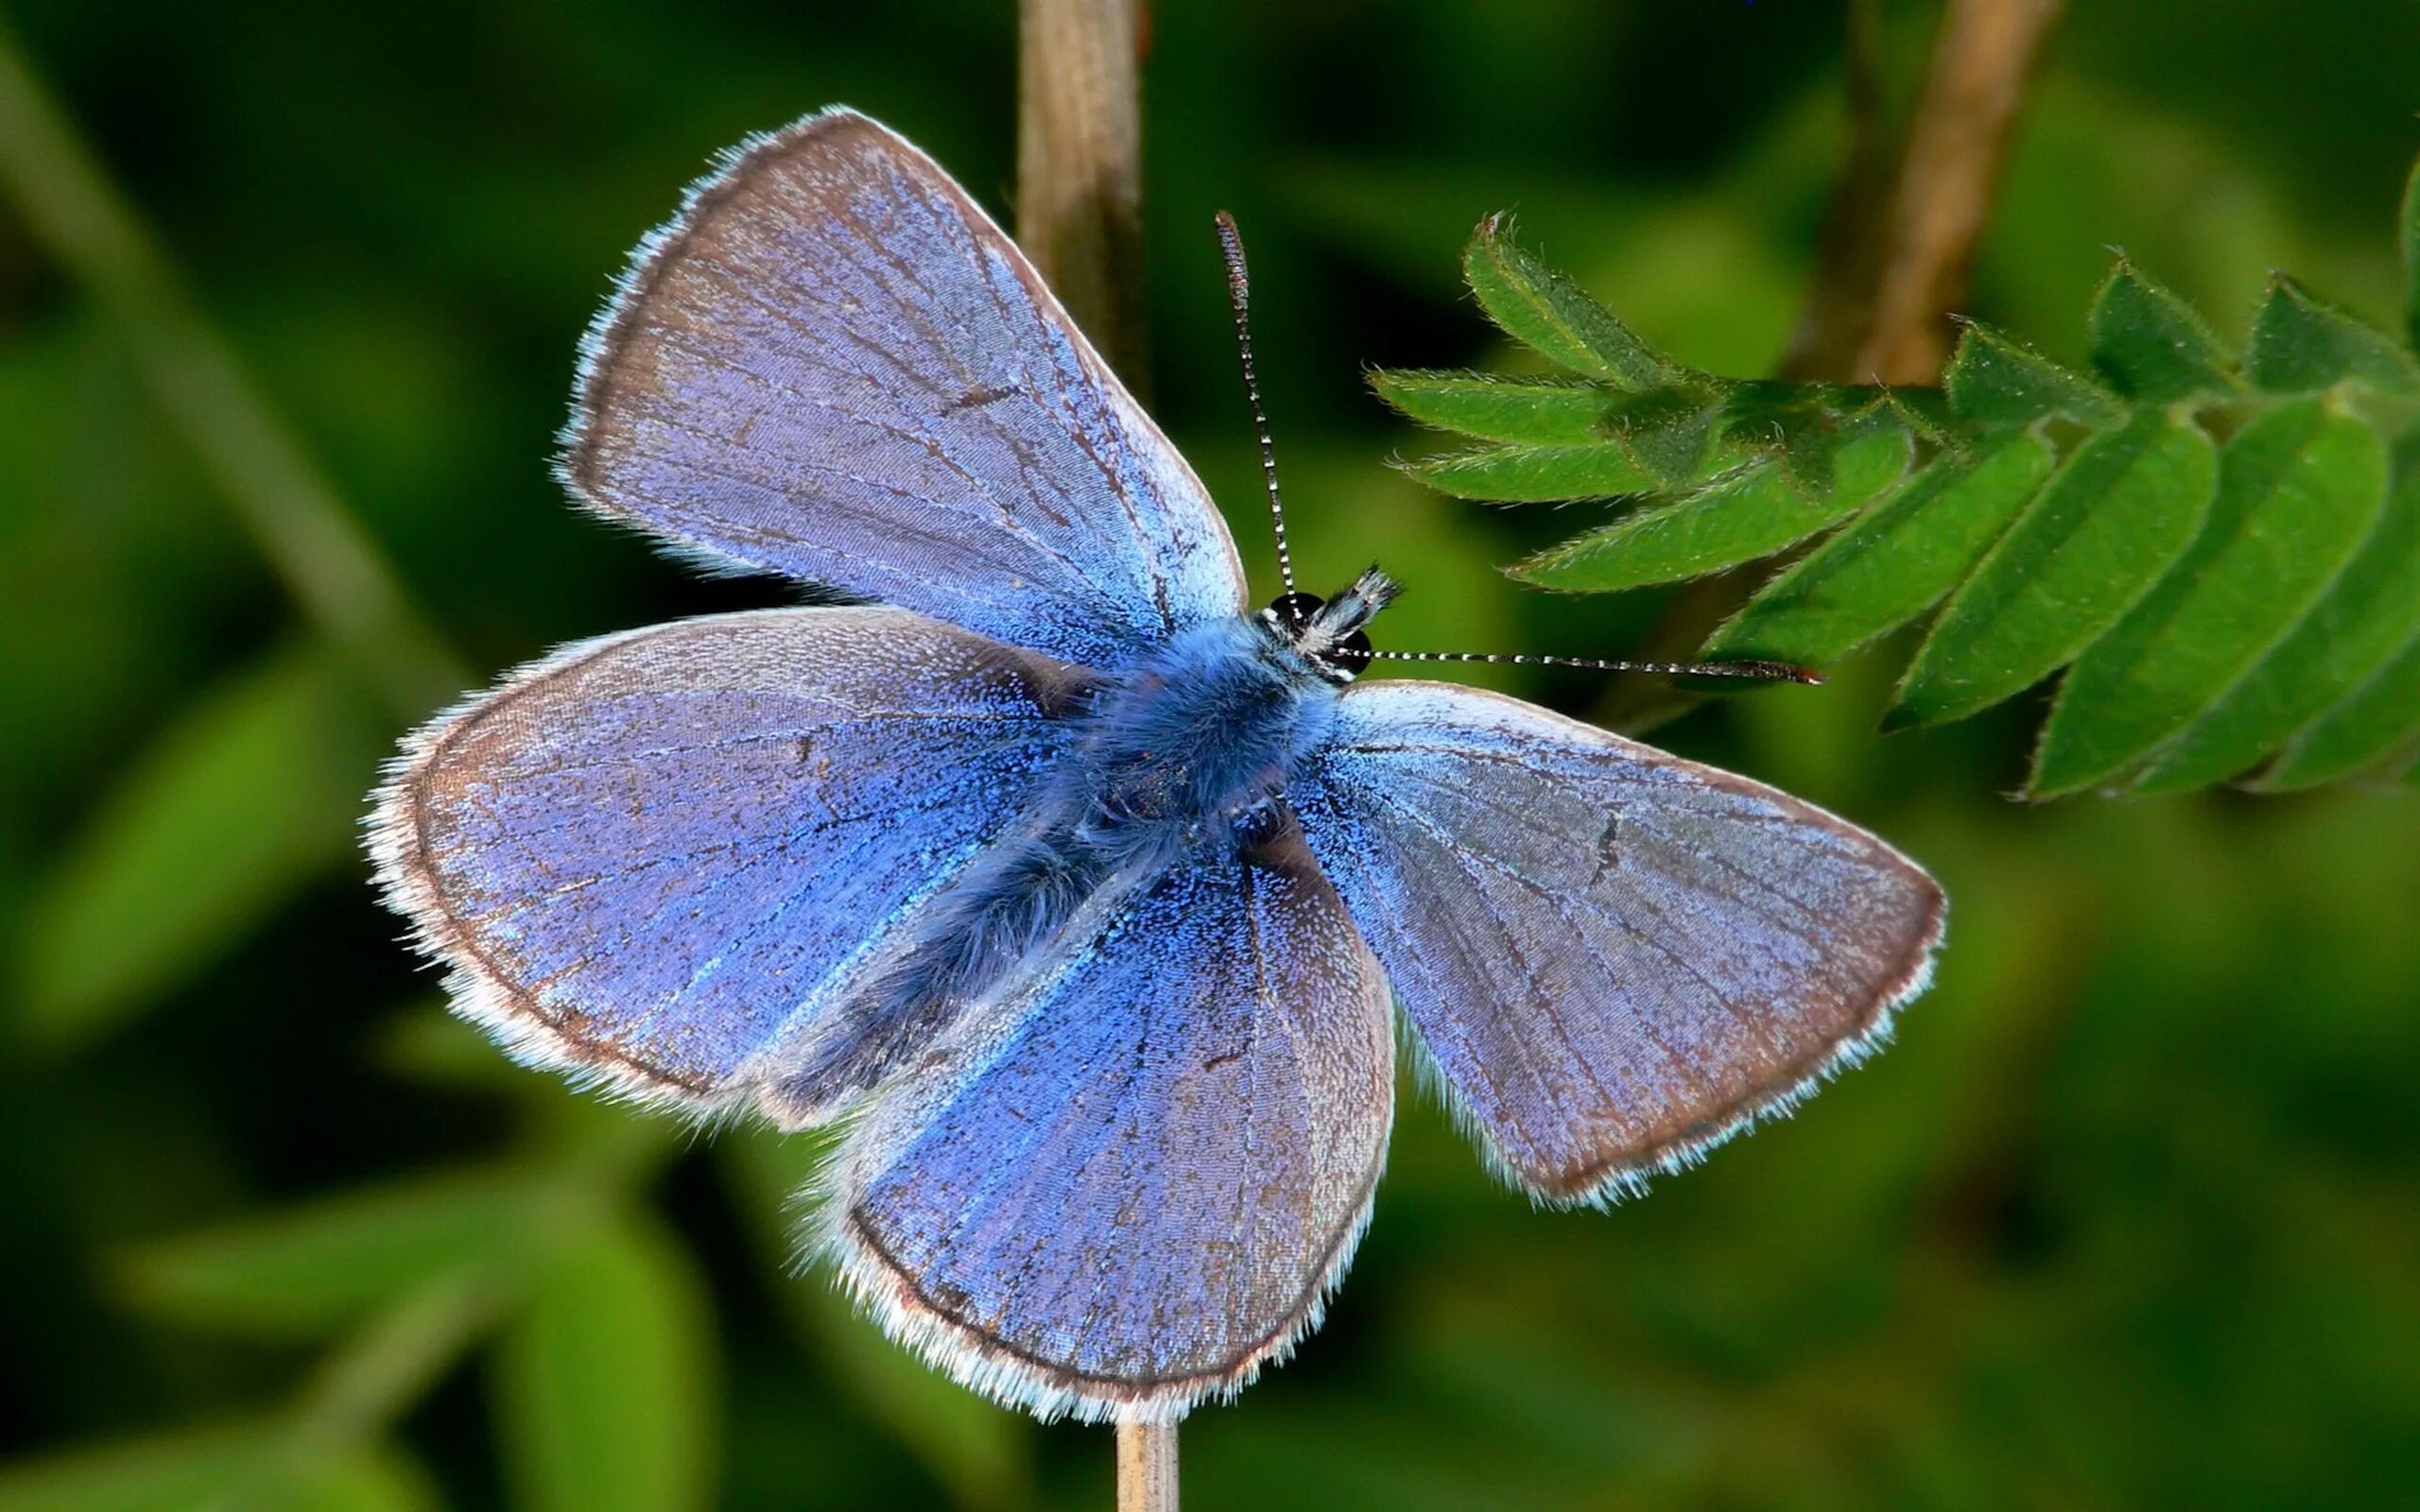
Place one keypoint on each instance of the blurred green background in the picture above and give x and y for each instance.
(2127, 1217)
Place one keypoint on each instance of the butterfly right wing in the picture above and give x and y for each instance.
(833, 364)
(1615, 958)
(650, 857)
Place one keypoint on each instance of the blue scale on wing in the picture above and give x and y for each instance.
(1127, 1182)
(1614, 957)
(657, 855)
(833, 365)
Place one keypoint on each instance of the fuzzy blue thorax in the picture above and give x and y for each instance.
(1204, 731)
(1189, 748)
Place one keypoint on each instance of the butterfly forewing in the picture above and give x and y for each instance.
(1616, 957)
(649, 857)
(1133, 1180)
(832, 364)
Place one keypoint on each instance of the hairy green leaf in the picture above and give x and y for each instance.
(1862, 468)
(2090, 546)
(1891, 563)
(1993, 380)
(2299, 488)
(246, 797)
(1537, 475)
(2372, 733)
(312, 1269)
(2370, 614)
(1758, 512)
(2063, 520)
(2300, 344)
(1829, 436)
(2151, 345)
(604, 1384)
(1670, 430)
(1531, 411)
(1548, 311)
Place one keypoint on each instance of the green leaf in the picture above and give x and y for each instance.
(251, 1467)
(2299, 488)
(1670, 429)
(1759, 511)
(2372, 733)
(1862, 468)
(313, 1269)
(1809, 427)
(1992, 380)
(2151, 345)
(980, 1452)
(247, 795)
(1891, 563)
(1534, 411)
(356, 1483)
(2371, 614)
(603, 1380)
(2299, 345)
(1543, 309)
(172, 1470)
(1537, 475)
(2091, 543)
(2182, 671)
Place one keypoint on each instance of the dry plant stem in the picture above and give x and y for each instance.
(1147, 1467)
(328, 563)
(1079, 175)
(1079, 217)
(1956, 146)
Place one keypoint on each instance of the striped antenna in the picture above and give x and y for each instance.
(1760, 671)
(1230, 245)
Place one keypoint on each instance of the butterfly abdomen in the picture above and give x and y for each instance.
(972, 934)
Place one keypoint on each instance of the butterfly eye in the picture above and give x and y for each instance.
(1351, 654)
(1294, 610)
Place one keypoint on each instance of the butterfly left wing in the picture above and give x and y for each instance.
(1616, 957)
(1125, 1187)
(649, 858)
(834, 365)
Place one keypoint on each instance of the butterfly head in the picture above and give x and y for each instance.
(1327, 633)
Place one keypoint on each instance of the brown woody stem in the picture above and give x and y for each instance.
(1147, 1467)
(1080, 218)
(1882, 313)
(1079, 173)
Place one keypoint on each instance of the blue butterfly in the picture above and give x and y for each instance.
(1081, 893)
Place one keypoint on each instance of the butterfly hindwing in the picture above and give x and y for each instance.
(1615, 958)
(648, 857)
(834, 365)
(1122, 1188)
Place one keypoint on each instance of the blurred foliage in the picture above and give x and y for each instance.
(2125, 1218)
(2208, 544)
